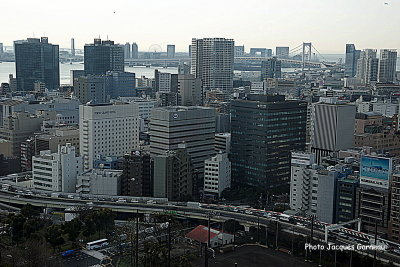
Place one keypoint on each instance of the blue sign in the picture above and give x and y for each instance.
(374, 167)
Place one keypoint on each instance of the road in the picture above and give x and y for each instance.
(249, 217)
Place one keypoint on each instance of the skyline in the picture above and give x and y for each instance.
(256, 24)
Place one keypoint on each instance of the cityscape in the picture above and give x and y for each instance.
(207, 151)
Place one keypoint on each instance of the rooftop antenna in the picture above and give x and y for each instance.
(107, 37)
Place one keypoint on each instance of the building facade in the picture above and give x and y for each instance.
(264, 131)
(36, 60)
(57, 171)
(107, 130)
(212, 62)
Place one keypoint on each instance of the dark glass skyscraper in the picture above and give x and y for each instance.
(36, 60)
(265, 129)
(103, 56)
(352, 55)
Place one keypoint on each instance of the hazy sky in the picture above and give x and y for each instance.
(328, 24)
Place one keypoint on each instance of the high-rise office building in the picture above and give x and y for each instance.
(127, 50)
(170, 126)
(212, 62)
(170, 51)
(367, 66)
(332, 127)
(270, 68)
(107, 130)
(72, 47)
(57, 171)
(282, 52)
(36, 60)
(135, 51)
(265, 129)
(103, 56)
(190, 90)
(351, 58)
(387, 66)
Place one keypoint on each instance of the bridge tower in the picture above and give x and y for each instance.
(306, 55)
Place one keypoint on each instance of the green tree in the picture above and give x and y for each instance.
(30, 211)
(89, 228)
(53, 235)
(72, 228)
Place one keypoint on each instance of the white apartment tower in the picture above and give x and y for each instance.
(57, 171)
(212, 62)
(107, 130)
(217, 175)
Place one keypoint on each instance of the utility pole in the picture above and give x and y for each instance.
(137, 240)
(312, 235)
(266, 235)
(208, 243)
(376, 236)
(276, 234)
(258, 229)
(169, 243)
(292, 240)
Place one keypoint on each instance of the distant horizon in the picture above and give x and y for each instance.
(329, 25)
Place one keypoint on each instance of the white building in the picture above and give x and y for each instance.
(303, 183)
(99, 182)
(257, 88)
(107, 130)
(386, 109)
(223, 142)
(217, 175)
(145, 105)
(57, 171)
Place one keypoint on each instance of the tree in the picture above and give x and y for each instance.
(72, 228)
(16, 223)
(90, 227)
(30, 211)
(53, 235)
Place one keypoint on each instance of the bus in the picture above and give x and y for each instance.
(96, 244)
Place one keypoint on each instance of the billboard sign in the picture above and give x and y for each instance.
(375, 171)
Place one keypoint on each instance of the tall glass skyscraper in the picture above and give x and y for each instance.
(265, 129)
(36, 60)
(352, 55)
(103, 56)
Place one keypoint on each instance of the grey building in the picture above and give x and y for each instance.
(346, 197)
(91, 88)
(174, 175)
(265, 129)
(239, 51)
(190, 90)
(103, 56)
(195, 126)
(351, 58)
(170, 51)
(332, 128)
(212, 62)
(99, 182)
(282, 52)
(135, 51)
(72, 47)
(367, 66)
(270, 68)
(223, 142)
(127, 51)
(36, 60)
(326, 195)
(120, 84)
(387, 66)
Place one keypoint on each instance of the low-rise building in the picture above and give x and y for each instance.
(99, 182)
